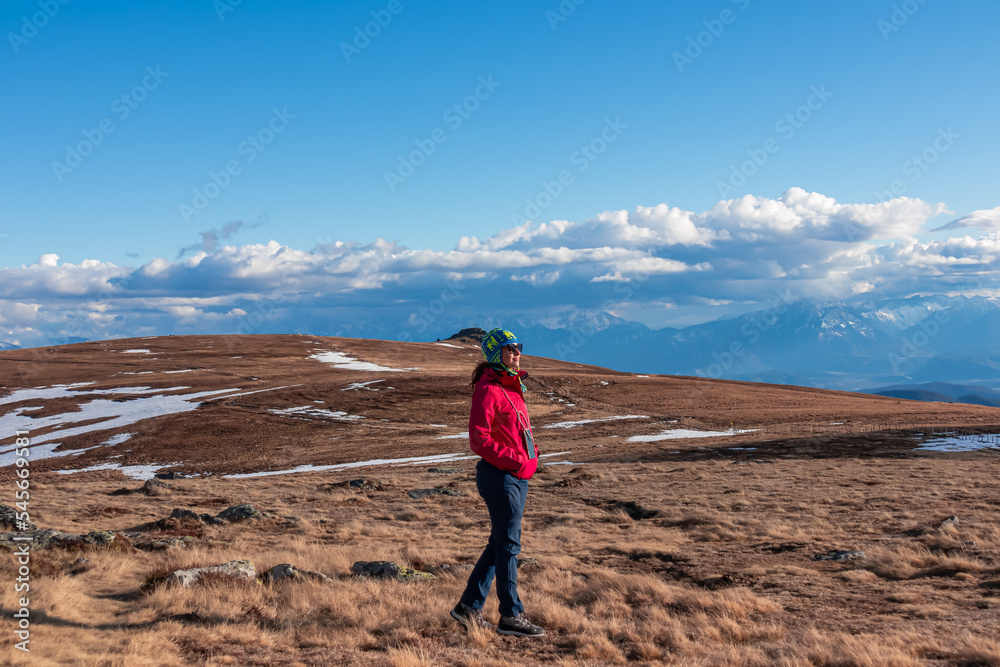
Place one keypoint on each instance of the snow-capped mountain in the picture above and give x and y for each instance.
(840, 344)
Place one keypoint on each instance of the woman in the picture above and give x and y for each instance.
(500, 432)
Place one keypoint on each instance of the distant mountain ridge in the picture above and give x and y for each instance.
(944, 392)
(848, 345)
(833, 345)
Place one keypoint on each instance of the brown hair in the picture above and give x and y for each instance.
(478, 371)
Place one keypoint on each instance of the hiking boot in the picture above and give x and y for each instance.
(470, 617)
(519, 626)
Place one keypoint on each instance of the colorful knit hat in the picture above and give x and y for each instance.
(493, 343)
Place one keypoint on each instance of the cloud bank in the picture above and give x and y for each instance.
(648, 263)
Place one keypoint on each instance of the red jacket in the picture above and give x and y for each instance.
(494, 428)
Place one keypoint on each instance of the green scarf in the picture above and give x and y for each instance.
(504, 369)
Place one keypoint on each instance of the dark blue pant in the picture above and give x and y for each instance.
(505, 496)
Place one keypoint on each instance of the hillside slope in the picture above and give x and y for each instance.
(245, 404)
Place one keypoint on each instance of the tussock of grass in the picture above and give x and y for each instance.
(915, 563)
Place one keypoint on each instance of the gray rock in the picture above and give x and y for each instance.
(237, 569)
(241, 512)
(417, 494)
(445, 471)
(151, 487)
(287, 572)
(386, 569)
(362, 484)
(42, 539)
(185, 514)
(840, 555)
(39, 539)
(163, 543)
(8, 518)
(99, 538)
(154, 487)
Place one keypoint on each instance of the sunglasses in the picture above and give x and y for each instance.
(514, 348)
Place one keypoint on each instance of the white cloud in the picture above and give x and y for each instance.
(733, 253)
(986, 219)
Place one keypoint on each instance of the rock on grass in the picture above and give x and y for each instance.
(387, 569)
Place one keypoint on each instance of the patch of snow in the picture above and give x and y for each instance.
(235, 357)
(355, 386)
(53, 391)
(345, 362)
(255, 391)
(678, 434)
(453, 437)
(118, 439)
(956, 444)
(139, 472)
(136, 372)
(439, 425)
(562, 463)
(68, 391)
(36, 454)
(593, 421)
(449, 345)
(309, 411)
(186, 370)
(410, 461)
(114, 414)
(543, 456)
(136, 352)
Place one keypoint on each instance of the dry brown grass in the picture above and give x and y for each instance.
(609, 588)
(675, 553)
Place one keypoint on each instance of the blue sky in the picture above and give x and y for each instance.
(672, 99)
